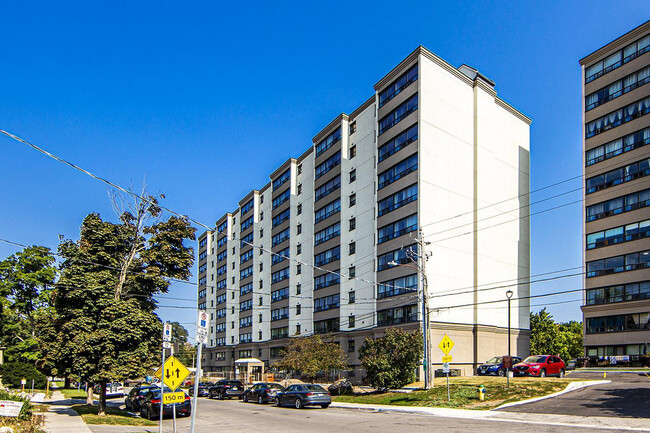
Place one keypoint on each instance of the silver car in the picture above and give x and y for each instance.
(303, 395)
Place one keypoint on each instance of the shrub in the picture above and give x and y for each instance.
(13, 372)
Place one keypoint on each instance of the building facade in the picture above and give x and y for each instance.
(325, 247)
(616, 103)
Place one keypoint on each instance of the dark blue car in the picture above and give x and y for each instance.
(494, 367)
(303, 395)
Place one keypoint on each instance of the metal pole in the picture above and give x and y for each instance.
(162, 390)
(509, 356)
(196, 385)
(448, 394)
(174, 411)
(425, 312)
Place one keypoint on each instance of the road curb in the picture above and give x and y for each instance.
(573, 386)
(438, 411)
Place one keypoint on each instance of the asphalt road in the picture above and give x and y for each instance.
(236, 416)
(628, 395)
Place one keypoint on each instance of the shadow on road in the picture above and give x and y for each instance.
(624, 402)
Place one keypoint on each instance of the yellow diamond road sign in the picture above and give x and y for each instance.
(446, 345)
(174, 373)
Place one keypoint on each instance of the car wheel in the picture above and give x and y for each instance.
(245, 398)
(220, 396)
(561, 374)
(298, 403)
(500, 372)
(142, 413)
(324, 405)
(260, 400)
(127, 405)
(542, 373)
(276, 402)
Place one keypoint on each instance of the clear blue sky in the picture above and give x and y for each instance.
(173, 92)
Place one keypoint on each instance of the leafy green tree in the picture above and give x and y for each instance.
(14, 372)
(179, 333)
(309, 355)
(390, 361)
(25, 282)
(107, 328)
(550, 338)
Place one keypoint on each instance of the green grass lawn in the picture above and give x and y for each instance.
(114, 416)
(73, 393)
(464, 394)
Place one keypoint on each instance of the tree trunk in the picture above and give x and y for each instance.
(102, 399)
(66, 383)
(89, 393)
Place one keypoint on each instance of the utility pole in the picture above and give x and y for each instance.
(422, 258)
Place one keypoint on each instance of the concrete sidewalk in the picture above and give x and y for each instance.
(60, 418)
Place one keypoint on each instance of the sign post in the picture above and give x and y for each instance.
(172, 375)
(446, 344)
(201, 337)
(507, 364)
(167, 338)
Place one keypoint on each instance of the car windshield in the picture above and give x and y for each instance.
(234, 383)
(495, 360)
(534, 359)
(314, 388)
(275, 386)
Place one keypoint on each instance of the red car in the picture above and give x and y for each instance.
(540, 366)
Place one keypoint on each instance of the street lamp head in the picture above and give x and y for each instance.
(509, 294)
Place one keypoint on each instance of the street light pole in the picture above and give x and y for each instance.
(509, 296)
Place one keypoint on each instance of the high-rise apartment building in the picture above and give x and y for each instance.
(326, 245)
(616, 103)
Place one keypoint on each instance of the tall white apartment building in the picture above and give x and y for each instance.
(434, 149)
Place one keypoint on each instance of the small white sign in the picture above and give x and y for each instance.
(202, 324)
(10, 408)
(445, 367)
(167, 345)
(167, 332)
(23, 381)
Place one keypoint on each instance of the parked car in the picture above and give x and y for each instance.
(135, 396)
(204, 389)
(262, 392)
(226, 389)
(572, 364)
(150, 405)
(494, 366)
(540, 366)
(303, 395)
(114, 389)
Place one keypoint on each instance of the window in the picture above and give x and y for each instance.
(619, 293)
(248, 255)
(618, 176)
(617, 88)
(299, 189)
(398, 114)
(618, 323)
(221, 327)
(221, 313)
(281, 217)
(281, 237)
(260, 318)
(261, 299)
(352, 248)
(244, 354)
(284, 177)
(278, 333)
(352, 296)
(298, 269)
(233, 265)
(261, 216)
(326, 326)
(407, 284)
(326, 303)
(261, 286)
(400, 256)
(279, 295)
(222, 256)
(612, 265)
(299, 209)
(299, 229)
(247, 207)
(398, 171)
(298, 328)
(298, 289)
(618, 146)
(324, 190)
(298, 248)
(221, 270)
(353, 224)
(203, 255)
(261, 267)
(353, 175)
(619, 234)
(328, 142)
(327, 233)
(618, 117)
(276, 352)
(353, 127)
(280, 256)
(279, 314)
(353, 199)
(222, 241)
(220, 341)
(326, 280)
(397, 229)
(203, 242)
(395, 316)
(221, 228)
(619, 205)
(298, 308)
(353, 151)
(327, 210)
(327, 165)
(396, 87)
(351, 347)
(261, 233)
(299, 168)
(281, 198)
(246, 288)
(203, 268)
(221, 299)
(246, 240)
(261, 199)
(245, 273)
(245, 322)
(398, 143)
(328, 256)
(352, 272)
(278, 276)
(615, 60)
(351, 321)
